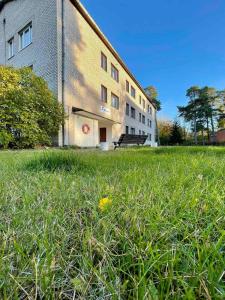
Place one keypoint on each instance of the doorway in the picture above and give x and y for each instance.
(102, 135)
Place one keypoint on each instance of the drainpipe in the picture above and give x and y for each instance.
(4, 31)
(63, 67)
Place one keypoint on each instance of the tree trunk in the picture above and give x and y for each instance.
(195, 130)
(208, 135)
(213, 130)
(203, 138)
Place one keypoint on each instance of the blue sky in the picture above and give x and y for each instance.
(171, 44)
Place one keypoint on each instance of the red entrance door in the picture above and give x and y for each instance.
(102, 135)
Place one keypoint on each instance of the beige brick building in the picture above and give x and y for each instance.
(64, 45)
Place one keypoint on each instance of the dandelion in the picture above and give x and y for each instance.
(200, 177)
(104, 203)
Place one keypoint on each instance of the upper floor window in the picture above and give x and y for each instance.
(114, 73)
(139, 117)
(149, 109)
(127, 109)
(150, 124)
(140, 100)
(104, 93)
(25, 36)
(133, 92)
(103, 61)
(115, 101)
(143, 119)
(143, 103)
(139, 132)
(11, 48)
(132, 112)
(127, 86)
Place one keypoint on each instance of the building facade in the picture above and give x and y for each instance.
(60, 41)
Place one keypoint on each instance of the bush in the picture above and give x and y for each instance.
(29, 112)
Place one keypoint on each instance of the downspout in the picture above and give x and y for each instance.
(4, 31)
(63, 68)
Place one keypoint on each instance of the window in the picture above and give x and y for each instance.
(143, 132)
(114, 73)
(139, 132)
(140, 100)
(132, 130)
(140, 117)
(127, 109)
(25, 36)
(104, 62)
(150, 124)
(133, 92)
(11, 48)
(127, 130)
(115, 101)
(143, 103)
(127, 86)
(149, 136)
(104, 93)
(143, 119)
(150, 111)
(132, 112)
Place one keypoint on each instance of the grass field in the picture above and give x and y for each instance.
(161, 237)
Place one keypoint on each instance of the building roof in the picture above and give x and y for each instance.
(99, 33)
(3, 2)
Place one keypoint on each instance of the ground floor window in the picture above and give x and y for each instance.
(132, 130)
(127, 130)
(149, 136)
(139, 132)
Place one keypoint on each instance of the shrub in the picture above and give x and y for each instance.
(29, 112)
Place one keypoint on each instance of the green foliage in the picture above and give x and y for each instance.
(165, 128)
(205, 110)
(29, 112)
(176, 134)
(162, 238)
(153, 96)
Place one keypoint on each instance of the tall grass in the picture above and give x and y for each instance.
(163, 237)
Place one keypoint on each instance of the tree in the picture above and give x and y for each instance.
(165, 128)
(29, 112)
(176, 134)
(204, 110)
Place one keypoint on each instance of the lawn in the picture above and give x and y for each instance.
(161, 237)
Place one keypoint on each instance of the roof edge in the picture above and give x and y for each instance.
(96, 29)
(3, 3)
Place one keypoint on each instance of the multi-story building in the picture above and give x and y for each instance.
(60, 41)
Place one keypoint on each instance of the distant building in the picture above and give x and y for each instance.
(220, 136)
(60, 41)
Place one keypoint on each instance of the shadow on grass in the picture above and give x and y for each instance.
(58, 162)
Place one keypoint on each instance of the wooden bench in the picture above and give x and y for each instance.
(130, 139)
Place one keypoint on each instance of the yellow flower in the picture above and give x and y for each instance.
(104, 203)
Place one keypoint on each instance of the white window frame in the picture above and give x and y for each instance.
(114, 73)
(104, 94)
(11, 49)
(22, 33)
(115, 101)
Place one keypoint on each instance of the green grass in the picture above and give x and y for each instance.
(162, 238)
